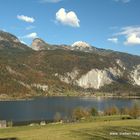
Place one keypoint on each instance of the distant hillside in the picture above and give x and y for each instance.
(62, 69)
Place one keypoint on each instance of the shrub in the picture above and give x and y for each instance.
(111, 111)
(79, 113)
(126, 118)
(93, 112)
(57, 117)
(134, 111)
(9, 123)
(124, 111)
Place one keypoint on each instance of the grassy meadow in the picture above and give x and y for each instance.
(98, 128)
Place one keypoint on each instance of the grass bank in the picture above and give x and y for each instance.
(106, 128)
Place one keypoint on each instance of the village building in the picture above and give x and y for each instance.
(3, 124)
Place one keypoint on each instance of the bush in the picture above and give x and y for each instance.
(79, 113)
(126, 118)
(9, 123)
(57, 117)
(111, 111)
(134, 111)
(93, 112)
(124, 111)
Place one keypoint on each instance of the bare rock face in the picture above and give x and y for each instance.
(38, 44)
(97, 78)
(135, 75)
(68, 77)
(94, 78)
(120, 63)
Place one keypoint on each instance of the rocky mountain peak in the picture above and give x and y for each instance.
(38, 44)
(9, 41)
(4, 36)
(82, 46)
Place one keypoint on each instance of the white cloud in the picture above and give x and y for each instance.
(50, 1)
(133, 39)
(31, 36)
(67, 18)
(124, 1)
(129, 30)
(113, 40)
(25, 18)
(132, 35)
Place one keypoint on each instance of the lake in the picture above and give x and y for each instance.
(45, 108)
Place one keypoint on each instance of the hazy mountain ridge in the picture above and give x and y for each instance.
(57, 69)
(8, 41)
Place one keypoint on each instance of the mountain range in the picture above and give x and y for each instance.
(43, 69)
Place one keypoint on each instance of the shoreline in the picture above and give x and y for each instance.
(82, 96)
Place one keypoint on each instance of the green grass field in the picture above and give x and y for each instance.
(98, 129)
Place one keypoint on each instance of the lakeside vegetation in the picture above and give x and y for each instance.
(80, 113)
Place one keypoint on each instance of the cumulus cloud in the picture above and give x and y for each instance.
(26, 18)
(132, 35)
(50, 1)
(67, 18)
(31, 36)
(113, 40)
(124, 1)
(133, 39)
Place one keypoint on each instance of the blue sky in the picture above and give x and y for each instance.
(109, 24)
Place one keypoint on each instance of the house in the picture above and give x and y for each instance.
(3, 124)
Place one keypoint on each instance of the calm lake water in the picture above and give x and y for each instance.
(46, 108)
